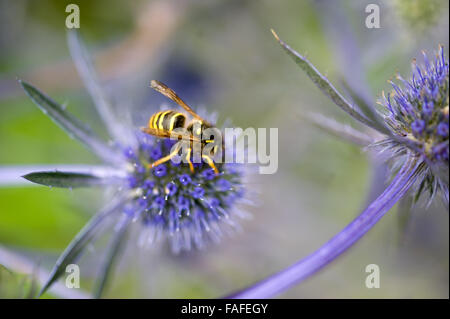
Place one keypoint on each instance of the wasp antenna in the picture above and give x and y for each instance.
(275, 34)
(163, 89)
(168, 92)
(154, 84)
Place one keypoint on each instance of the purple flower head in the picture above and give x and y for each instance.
(129, 153)
(183, 202)
(159, 201)
(214, 202)
(419, 121)
(440, 151)
(418, 126)
(148, 184)
(140, 169)
(172, 193)
(223, 185)
(132, 181)
(142, 202)
(428, 108)
(185, 179)
(209, 174)
(171, 188)
(155, 153)
(442, 129)
(198, 192)
(160, 171)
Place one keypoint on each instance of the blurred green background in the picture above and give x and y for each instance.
(220, 55)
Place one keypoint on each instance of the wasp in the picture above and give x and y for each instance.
(162, 124)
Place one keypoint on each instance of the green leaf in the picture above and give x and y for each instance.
(75, 128)
(16, 285)
(65, 179)
(75, 248)
(324, 85)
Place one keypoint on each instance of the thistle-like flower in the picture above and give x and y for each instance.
(171, 201)
(417, 116)
(413, 123)
(187, 208)
(413, 120)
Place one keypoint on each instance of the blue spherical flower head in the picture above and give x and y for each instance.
(188, 208)
(418, 117)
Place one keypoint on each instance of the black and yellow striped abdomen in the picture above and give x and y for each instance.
(167, 120)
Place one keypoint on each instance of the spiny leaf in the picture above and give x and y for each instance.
(368, 110)
(346, 132)
(75, 248)
(115, 247)
(11, 175)
(65, 179)
(70, 124)
(14, 284)
(323, 84)
(347, 51)
(87, 73)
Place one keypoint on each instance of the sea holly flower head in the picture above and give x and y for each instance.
(417, 116)
(189, 208)
(413, 120)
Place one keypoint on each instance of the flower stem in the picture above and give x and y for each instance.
(304, 268)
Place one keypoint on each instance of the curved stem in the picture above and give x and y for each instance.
(304, 268)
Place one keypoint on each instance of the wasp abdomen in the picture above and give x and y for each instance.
(167, 120)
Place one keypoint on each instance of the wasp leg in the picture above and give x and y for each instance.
(164, 159)
(211, 163)
(188, 158)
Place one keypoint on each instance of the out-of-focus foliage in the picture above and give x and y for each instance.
(13, 285)
(420, 15)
